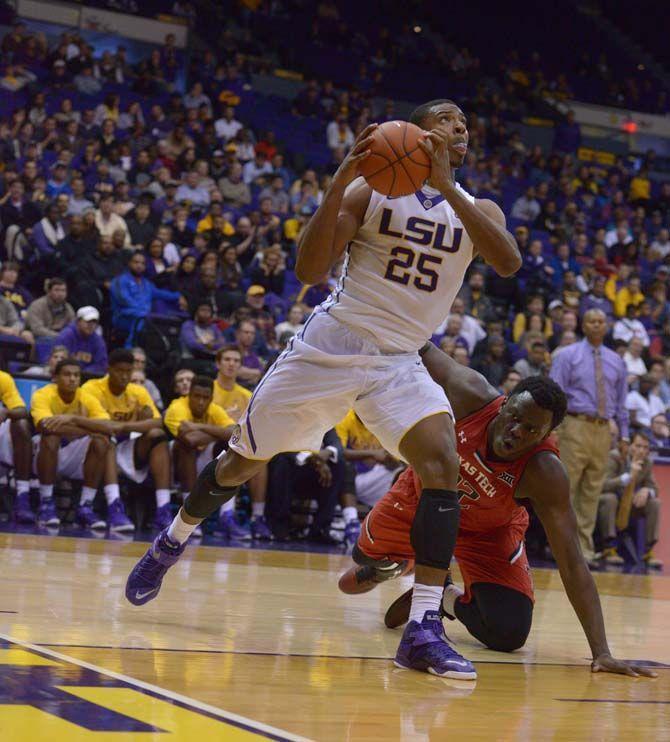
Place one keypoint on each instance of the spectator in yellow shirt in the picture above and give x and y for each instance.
(640, 189)
(534, 306)
(16, 447)
(630, 294)
(227, 392)
(142, 445)
(234, 399)
(66, 448)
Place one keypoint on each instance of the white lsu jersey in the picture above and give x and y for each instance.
(402, 270)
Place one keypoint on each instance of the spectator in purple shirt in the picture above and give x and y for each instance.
(83, 341)
(596, 299)
(252, 367)
(200, 336)
(48, 231)
(568, 135)
(593, 378)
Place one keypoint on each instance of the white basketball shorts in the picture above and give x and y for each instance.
(6, 445)
(325, 371)
(70, 457)
(125, 459)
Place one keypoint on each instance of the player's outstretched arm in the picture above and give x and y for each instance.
(338, 218)
(466, 389)
(545, 482)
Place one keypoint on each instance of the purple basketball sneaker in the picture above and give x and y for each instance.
(47, 515)
(23, 513)
(233, 530)
(424, 646)
(118, 520)
(144, 582)
(260, 530)
(88, 519)
(163, 516)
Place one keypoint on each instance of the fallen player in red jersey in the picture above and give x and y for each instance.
(507, 452)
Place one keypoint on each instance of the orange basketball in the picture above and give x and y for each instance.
(396, 166)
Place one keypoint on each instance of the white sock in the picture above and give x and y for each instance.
(228, 506)
(46, 492)
(162, 497)
(87, 495)
(111, 493)
(22, 486)
(257, 508)
(349, 513)
(424, 598)
(451, 594)
(180, 530)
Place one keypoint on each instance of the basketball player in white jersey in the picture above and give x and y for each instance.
(405, 261)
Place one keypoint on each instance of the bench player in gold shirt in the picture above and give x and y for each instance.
(142, 444)
(66, 448)
(200, 428)
(15, 445)
(234, 399)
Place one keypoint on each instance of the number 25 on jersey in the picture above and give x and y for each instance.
(404, 259)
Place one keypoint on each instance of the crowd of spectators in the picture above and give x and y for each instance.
(126, 206)
(413, 44)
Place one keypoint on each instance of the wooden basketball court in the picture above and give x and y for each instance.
(244, 644)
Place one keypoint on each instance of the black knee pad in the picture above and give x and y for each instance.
(435, 526)
(206, 496)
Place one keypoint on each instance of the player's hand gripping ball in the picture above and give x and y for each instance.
(396, 165)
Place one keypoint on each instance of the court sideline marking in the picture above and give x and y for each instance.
(237, 719)
(520, 661)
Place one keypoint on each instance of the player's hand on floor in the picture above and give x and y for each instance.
(348, 171)
(607, 663)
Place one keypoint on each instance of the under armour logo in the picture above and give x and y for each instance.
(462, 438)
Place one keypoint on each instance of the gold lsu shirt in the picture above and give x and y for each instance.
(9, 394)
(47, 402)
(179, 411)
(234, 401)
(125, 406)
(354, 435)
